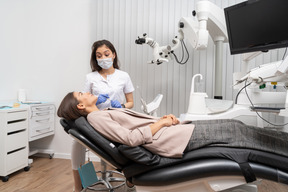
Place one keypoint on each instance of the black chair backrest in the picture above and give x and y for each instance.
(82, 127)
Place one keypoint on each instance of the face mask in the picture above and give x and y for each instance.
(105, 63)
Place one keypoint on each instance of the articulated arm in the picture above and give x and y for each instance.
(160, 54)
(210, 19)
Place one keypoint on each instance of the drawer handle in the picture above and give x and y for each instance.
(43, 120)
(16, 121)
(42, 114)
(15, 150)
(42, 108)
(15, 132)
(43, 130)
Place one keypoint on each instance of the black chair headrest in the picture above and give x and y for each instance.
(66, 124)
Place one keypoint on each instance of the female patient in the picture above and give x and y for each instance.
(166, 136)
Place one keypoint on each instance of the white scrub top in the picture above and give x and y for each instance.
(116, 86)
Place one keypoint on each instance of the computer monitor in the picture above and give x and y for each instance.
(257, 25)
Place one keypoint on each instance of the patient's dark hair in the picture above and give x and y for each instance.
(93, 61)
(68, 108)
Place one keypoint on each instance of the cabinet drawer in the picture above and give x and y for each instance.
(13, 126)
(16, 140)
(44, 128)
(16, 160)
(41, 121)
(42, 113)
(42, 108)
(16, 115)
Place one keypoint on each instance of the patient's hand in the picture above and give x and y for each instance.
(165, 121)
(174, 120)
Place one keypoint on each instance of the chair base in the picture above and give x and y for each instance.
(108, 180)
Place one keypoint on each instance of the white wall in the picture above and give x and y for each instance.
(45, 49)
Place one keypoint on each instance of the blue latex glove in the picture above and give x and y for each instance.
(115, 104)
(102, 98)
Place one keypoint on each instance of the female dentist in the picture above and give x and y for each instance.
(106, 80)
(113, 88)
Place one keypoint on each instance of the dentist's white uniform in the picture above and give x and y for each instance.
(116, 86)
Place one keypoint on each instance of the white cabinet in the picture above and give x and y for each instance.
(41, 121)
(41, 124)
(13, 141)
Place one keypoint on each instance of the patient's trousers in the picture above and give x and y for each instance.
(234, 133)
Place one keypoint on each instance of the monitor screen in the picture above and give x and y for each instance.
(257, 25)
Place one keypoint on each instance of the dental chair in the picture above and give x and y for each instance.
(203, 170)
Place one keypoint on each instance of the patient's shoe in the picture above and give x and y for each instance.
(129, 189)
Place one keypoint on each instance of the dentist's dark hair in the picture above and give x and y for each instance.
(68, 108)
(93, 61)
